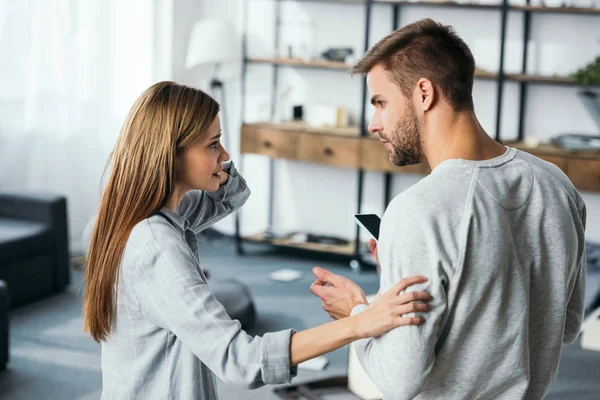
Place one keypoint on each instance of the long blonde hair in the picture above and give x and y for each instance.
(165, 119)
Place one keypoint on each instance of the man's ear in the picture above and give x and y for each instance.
(426, 94)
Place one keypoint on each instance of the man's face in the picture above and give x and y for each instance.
(395, 120)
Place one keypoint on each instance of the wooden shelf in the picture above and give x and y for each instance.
(547, 149)
(483, 74)
(479, 73)
(441, 4)
(553, 80)
(332, 1)
(345, 250)
(557, 10)
(301, 127)
(333, 65)
(297, 62)
(473, 5)
(582, 167)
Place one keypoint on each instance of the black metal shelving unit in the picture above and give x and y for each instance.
(503, 8)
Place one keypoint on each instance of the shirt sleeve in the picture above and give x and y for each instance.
(400, 361)
(173, 295)
(203, 209)
(576, 304)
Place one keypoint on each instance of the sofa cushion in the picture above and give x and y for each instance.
(21, 239)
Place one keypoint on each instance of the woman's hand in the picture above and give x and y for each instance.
(224, 176)
(387, 312)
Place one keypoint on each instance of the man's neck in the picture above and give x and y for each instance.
(449, 135)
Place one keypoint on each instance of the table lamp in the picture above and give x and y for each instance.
(214, 42)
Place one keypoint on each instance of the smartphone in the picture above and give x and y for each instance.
(370, 222)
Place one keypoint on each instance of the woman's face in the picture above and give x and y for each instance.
(199, 165)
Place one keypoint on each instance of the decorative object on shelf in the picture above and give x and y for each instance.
(319, 115)
(297, 40)
(214, 43)
(298, 113)
(579, 142)
(588, 75)
(591, 101)
(339, 54)
(305, 237)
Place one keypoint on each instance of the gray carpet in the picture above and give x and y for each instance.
(52, 359)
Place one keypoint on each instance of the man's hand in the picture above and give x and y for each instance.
(373, 249)
(338, 294)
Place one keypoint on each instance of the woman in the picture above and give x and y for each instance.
(146, 299)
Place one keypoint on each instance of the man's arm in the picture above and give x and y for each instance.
(400, 361)
(576, 305)
(415, 239)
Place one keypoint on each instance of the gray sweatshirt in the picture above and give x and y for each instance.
(502, 242)
(171, 337)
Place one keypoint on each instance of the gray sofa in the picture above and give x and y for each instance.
(34, 254)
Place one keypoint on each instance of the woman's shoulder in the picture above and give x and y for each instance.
(152, 232)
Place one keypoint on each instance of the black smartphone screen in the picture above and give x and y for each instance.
(370, 222)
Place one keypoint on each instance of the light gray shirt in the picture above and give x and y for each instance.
(502, 243)
(171, 336)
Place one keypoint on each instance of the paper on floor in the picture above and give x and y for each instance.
(285, 275)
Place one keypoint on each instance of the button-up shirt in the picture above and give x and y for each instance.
(171, 337)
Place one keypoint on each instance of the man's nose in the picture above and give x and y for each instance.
(375, 126)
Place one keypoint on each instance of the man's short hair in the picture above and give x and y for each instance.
(425, 49)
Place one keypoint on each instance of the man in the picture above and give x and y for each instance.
(498, 232)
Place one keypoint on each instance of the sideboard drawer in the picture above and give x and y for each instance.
(269, 142)
(585, 174)
(331, 150)
(374, 156)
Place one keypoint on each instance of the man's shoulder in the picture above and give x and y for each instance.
(444, 191)
(551, 177)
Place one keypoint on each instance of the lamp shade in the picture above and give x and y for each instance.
(212, 41)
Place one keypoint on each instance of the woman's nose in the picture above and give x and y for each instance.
(224, 155)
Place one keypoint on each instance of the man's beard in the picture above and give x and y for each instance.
(406, 140)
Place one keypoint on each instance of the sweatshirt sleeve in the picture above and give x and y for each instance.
(576, 303)
(173, 295)
(203, 209)
(400, 361)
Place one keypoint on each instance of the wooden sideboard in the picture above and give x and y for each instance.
(345, 148)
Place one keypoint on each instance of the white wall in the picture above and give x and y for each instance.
(323, 199)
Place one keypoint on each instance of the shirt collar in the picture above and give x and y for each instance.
(176, 219)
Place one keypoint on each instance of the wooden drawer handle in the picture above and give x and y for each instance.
(328, 151)
(267, 144)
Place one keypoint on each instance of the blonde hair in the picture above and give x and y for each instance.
(165, 119)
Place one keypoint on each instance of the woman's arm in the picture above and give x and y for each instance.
(378, 318)
(203, 209)
(172, 294)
